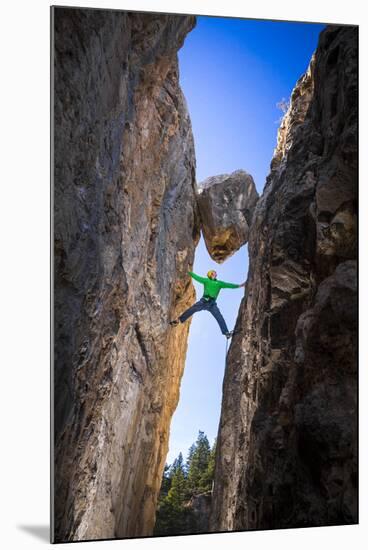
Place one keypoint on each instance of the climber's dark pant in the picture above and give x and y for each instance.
(211, 306)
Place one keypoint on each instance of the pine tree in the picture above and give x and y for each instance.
(171, 516)
(189, 458)
(209, 474)
(178, 464)
(199, 464)
(179, 483)
(166, 482)
(177, 492)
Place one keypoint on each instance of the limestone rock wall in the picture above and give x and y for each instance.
(226, 203)
(125, 229)
(286, 446)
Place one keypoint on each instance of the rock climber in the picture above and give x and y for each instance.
(212, 287)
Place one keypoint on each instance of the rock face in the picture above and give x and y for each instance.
(125, 229)
(200, 506)
(286, 447)
(226, 204)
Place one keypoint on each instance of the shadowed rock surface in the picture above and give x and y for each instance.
(200, 506)
(126, 226)
(286, 447)
(226, 203)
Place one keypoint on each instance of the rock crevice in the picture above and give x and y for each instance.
(127, 219)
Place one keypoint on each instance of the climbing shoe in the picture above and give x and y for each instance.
(229, 334)
(174, 322)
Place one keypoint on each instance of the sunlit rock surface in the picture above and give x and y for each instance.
(126, 226)
(226, 204)
(287, 440)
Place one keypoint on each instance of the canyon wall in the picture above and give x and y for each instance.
(125, 227)
(287, 439)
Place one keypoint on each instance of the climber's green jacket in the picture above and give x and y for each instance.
(212, 287)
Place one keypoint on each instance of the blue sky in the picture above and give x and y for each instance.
(233, 72)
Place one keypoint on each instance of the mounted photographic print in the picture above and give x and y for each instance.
(204, 274)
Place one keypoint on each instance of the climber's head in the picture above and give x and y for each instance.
(212, 274)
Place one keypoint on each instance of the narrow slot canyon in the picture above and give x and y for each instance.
(130, 209)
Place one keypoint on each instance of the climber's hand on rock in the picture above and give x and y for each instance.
(243, 284)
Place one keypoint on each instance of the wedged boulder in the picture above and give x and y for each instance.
(226, 204)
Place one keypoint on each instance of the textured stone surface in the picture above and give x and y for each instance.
(126, 225)
(286, 447)
(200, 506)
(226, 203)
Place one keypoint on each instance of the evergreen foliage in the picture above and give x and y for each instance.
(180, 482)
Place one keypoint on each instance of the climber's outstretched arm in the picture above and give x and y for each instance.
(224, 284)
(197, 277)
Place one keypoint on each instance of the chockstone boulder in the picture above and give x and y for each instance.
(226, 204)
